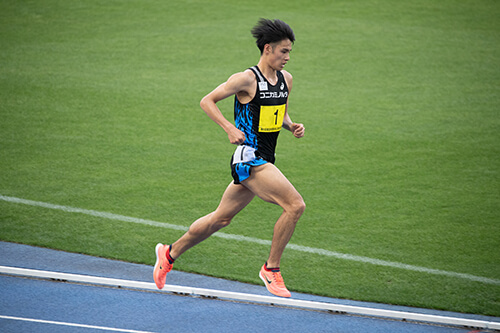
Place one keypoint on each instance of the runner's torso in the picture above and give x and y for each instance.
(262, 118)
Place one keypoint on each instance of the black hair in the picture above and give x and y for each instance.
(271, 31)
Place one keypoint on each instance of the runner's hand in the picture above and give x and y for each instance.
(236, 137)
(298, 130)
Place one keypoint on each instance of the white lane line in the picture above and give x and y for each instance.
(240, 238)
(41, 321)
(269, 300)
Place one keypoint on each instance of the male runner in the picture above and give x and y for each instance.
(260, 111)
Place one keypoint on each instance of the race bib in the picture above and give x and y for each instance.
(271, 117)
(243, 154)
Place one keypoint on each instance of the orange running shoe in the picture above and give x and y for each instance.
(274, 282)
(162, 265)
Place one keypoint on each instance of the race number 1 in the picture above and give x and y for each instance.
(271, 117)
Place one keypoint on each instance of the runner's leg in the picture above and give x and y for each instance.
(234, 199)
(269, 184)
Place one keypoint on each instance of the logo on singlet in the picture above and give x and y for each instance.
(273, 94)
(262, 85)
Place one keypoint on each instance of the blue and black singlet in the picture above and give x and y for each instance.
(262, 118)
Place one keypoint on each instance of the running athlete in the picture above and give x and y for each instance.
(260, 111)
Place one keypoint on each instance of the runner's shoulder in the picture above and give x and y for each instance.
(243, 80)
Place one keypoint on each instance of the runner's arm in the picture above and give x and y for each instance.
(236, 83)
(296, 128)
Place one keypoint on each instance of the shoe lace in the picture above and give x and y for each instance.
(278, 278)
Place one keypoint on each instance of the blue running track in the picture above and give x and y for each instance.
(31, 304)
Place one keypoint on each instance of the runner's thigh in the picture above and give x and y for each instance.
(269, 184)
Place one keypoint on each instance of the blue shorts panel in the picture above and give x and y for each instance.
(241, 171)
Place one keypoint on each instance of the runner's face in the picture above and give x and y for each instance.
(280, 54)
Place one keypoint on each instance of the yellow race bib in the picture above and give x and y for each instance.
(271, 117)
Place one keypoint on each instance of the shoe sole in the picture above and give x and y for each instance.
(263, 279)
(157, 248)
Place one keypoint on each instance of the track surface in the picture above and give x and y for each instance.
(43, 305)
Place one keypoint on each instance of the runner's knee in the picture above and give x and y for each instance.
(209, 223)
(300, 206)
(296, 207)
(220, 222)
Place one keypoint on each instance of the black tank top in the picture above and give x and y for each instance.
(262, 118)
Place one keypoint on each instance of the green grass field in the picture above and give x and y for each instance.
(401, 160)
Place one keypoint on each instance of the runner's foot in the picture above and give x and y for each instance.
(274, 281)
(162, 265)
